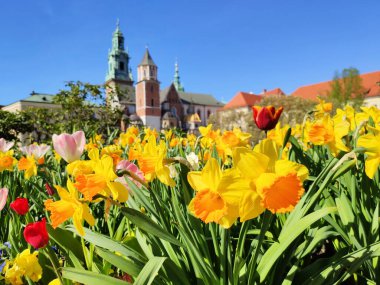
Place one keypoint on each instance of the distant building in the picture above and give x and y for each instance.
(35, 100)
(370, 82)
(241, 105)
(169, 107)
(144, 102)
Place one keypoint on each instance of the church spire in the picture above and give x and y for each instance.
(118, 58)
(177, 82)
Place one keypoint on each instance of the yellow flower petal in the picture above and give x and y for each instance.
(284, 167)
(250, 206)
(371, 166)
(250, 163)
(195, 181)
(211, 174)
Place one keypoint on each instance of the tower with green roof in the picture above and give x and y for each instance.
(119, 79)
(177, 81)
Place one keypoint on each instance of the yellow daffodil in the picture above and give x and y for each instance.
(208, 136)
(151, 162)
(218, 194)
(325, 132)
(274, 184)
(113, 151)
(128, 138)
(80, 167)
(29, 165)
(102, 181)
(69, 207)
(322, 108)
(371, 143)
(25, 264)
(7, 161)
(174, 142)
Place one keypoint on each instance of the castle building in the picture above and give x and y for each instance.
(146, 102)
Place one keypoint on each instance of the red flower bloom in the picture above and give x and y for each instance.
(266, 117)
(20, 206)
(36, 234)
(49, 189)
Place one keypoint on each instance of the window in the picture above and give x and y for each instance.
(208, 113)
(121, 65)
(199, 112)
(121, 44)
(174, 111)
(152, 102)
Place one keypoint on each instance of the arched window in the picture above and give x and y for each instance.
(121, 66)
(174, 111)
(208, 113)
(152, 102)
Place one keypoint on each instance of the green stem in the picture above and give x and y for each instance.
(267, 219)
(224, 242)
(239, 250)
(215, 242)
(48, 253)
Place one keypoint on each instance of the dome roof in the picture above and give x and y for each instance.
(134, 118)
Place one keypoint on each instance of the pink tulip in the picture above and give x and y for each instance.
(5, 146)
(35, 150)
(69, 147)
(127, 165)
(3, 197)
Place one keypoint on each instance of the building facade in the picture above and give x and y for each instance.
(146, 101)
(369, 81)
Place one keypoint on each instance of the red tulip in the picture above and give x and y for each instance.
(20, 206)
(49, 189)
(266, 117)
(36, 234)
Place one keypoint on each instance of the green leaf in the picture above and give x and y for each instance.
(125, 265)
(347, 265)
(344, 209)
(287, 236)
(150, 271)
(89, 277)
(107, 243)
(146, 224)
(67, 242)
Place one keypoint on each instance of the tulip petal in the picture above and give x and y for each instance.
(3, 197)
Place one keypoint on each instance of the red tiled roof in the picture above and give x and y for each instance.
(276, 91)
(242, 99)
(370, 83)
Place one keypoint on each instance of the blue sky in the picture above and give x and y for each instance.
(222, 46)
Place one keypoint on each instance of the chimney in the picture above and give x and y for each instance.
(264, 91)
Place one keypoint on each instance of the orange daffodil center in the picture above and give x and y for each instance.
(257, 181)
(275, 184)
(218, 193)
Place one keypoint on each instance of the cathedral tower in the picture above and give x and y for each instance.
(148, 106)
(119, 76)
(177, 81)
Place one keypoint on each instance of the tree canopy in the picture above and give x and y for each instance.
(347, 88)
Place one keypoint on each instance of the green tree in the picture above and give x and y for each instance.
(13, 124)
(80, 106)
(84, 107)
(347, 88)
